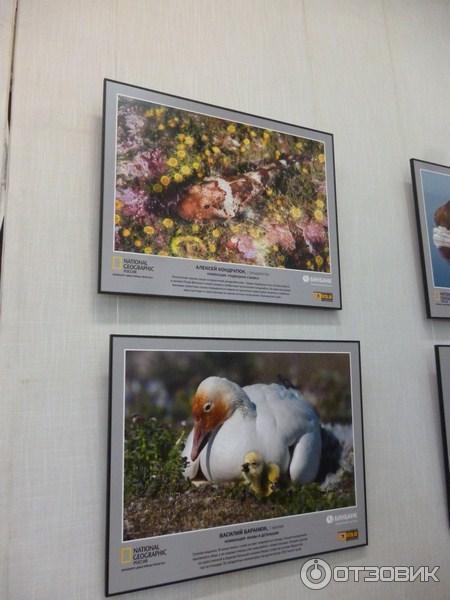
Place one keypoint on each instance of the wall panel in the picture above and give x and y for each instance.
(374, 73)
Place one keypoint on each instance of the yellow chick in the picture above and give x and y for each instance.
(261, 477)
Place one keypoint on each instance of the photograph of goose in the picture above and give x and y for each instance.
(186, 181)
(215, 434)
(432, 196)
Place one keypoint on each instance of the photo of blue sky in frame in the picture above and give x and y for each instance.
(436, 190)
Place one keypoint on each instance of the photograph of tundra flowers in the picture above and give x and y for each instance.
(200, 187)
(219, 438)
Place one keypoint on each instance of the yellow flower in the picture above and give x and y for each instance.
(181, 147)
(165, 180)
(189, 140)
(319, 260)
(295, 212)
(119, 204)
(320, 203)
(216, 150)
(185, 170)
(149, 113)
(246, 142)
(269, 191)
(204, 137)
(196, 165)
(252, 133)
(157, 187)
(149, 230)
(266, 135)
(181, 154)
(318, 215)
(195, 228)
(321, 158)
(207, 152)
(187, 245)
(299, 145)
(231, 128)
(148, 250)
(234, 228)
(163, 253)
(181, 136)
(161, 127)
(172, 162)
(178, 177)
(216, 233)
(309, 264)
(168, 223)
(137, 243)
(117, 219)
(212, 247)
(172, 123)
(126, 232)
(277, 154)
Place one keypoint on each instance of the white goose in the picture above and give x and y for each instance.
(230, 421)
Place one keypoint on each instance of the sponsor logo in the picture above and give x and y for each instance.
(323, 296)
(345, 536)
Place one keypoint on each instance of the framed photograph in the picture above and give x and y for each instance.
(229, 454)
(431, 185)
(443, 371)
(203, 202)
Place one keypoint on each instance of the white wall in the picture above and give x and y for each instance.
(377, 75)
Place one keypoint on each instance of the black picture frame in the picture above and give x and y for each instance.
(214, 270)
(334, 529)
(442, 353)
(431, 187)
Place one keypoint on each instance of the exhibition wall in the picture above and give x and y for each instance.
(375, 74)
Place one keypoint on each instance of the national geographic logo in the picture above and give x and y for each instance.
(117, 263)
(142, 554)
(323, 296)
(441, 297)
(126, 555)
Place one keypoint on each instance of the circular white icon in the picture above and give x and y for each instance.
(305, 278)
(315, 574)
(330, 518)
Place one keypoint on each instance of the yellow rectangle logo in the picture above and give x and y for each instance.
(345, 536)
(116, 263)
(126, 555)
(323, 296)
